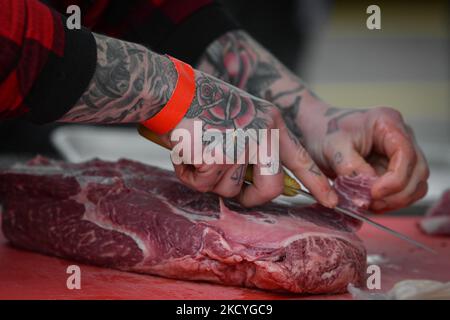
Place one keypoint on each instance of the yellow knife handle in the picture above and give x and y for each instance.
(290, 183)
(150, 135)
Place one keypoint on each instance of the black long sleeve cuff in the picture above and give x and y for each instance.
(63, 79)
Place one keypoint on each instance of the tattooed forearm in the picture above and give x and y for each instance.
(130, 84)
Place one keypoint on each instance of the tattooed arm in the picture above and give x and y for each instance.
(341, 141)
(130, 84)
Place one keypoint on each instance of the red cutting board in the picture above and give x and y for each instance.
(27, 275)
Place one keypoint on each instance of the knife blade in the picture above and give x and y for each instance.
(377, 225)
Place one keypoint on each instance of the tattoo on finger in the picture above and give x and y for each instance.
(337, 158)
(289, 114)
(238, 175)
(293, 137)
(314, 169)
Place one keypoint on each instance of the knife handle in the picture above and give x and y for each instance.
(290, 184)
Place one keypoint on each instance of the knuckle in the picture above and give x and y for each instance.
(391, 113)
(393, 118)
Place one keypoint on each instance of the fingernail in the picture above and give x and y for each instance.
(332, 199)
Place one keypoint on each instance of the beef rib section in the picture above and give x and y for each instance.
(134, 217)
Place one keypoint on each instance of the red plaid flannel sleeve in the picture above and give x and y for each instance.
(29, 31)
(45, 68)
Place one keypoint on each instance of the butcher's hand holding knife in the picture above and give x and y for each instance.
(80, 76)
(132, 84)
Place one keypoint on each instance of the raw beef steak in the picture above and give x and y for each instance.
(437, 218)
(134, 217)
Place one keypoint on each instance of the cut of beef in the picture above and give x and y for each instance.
(134, 217)
(354, 194)
(437, 218)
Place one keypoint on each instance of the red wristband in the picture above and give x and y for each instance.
(183, 94)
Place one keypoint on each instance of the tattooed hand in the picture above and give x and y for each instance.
(372, 141)
(221, 106)
(341, 141)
